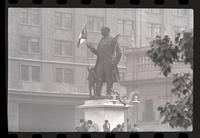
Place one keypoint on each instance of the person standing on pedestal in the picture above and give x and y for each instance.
(106, 126)
(108, 55)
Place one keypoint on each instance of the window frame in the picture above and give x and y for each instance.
(30, 72)
(63, 81)
(153, 27)
(177, 12)
(123, 27)
(28, 14)
(152, 11)
(29, 44)
(62, 20)
(123, 73)
(21, 73)
(94, 20)
(63, 48)
(72, 77)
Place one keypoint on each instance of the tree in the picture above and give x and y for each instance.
(164, 53)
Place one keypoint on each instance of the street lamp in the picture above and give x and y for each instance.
(135, 99)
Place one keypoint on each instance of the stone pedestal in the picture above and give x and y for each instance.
(104, 109)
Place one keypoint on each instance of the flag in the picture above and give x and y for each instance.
(82, 37)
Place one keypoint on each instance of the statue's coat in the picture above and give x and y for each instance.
(107, 54)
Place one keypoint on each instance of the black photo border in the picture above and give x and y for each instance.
(190, 4)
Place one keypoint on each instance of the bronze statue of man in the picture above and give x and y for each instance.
(108, 56)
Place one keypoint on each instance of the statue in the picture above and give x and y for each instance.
(92, 81)
(108, 56)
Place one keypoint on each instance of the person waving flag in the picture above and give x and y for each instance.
(82, 36)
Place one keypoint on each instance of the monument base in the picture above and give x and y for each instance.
(100, 110)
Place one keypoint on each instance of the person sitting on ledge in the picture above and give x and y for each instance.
(118, 128)
(92, 127)
(136, 128)
(82, 126)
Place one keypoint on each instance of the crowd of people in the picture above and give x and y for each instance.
(90, 126)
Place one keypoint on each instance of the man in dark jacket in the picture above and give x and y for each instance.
(108, 56)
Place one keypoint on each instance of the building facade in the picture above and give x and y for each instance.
(47, 73)
(141, 75)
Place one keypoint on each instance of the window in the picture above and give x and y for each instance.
(67, 48)
(59, 75)
(153, 10)
(128, 27)
(67, 20)
(180, 12)
(144, 60)
(29, 44)
(58, 19)
(157, 30)
(34, 44)
(120, 26)
(63, 20)
(149, 30)
(24, 72)
(125, 27)
(68, 76)
(24, 16)
(148, 114)
(63, 48)
(64, 75)
(35, 16)
(58, 47)
(30, 16)
(122, 76)
(24, 44)
(94, 24)
(35, 73)
(30, 73)
(123, 54)
(152, 30)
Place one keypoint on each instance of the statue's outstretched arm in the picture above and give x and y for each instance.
(92, 49)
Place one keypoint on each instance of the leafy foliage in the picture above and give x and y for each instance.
(164, 53)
